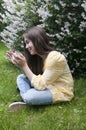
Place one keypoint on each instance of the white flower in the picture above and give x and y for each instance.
(65, 29)
(84, 5)
(15, 18)
(57, 21)
(67, 24)
(74, 4)
(83, 15)
(56, 7)
(43, 13)
(62, 3)
(59, 36)
(82, 26)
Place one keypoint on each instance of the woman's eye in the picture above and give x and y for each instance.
(27, 42)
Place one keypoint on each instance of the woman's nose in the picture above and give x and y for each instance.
(27, 46)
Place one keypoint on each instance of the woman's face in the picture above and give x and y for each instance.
(29, 46)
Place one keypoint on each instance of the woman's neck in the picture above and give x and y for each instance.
(43, 56)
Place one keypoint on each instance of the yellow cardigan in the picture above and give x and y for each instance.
(56, 77)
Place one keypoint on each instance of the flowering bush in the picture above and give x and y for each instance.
(14, 19)
(2, 11)
(64, 21)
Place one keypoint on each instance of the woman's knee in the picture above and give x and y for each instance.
(30, 98)
(21, 76)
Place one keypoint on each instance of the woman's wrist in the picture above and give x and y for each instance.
(26, 70)
(24, 67)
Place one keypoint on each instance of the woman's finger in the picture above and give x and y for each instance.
(18, 56)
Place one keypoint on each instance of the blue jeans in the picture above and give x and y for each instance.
(30, 95)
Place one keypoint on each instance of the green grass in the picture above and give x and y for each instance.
(62, 116)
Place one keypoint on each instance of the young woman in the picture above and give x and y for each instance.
(46, 77)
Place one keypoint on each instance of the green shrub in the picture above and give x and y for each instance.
(64, 22)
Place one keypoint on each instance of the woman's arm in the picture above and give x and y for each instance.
(19, 59)
(28, 73)
(53, 69)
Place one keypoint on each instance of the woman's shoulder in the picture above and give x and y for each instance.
(54, 53)
(55, 56)
(54, 59)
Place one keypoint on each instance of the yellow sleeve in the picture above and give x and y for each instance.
(38, 82)
(53, 68)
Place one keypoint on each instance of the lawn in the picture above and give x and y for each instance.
(62, 116)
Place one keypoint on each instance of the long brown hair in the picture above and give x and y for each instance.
(40, 41)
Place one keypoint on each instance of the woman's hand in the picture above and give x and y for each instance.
(9, 54)
(20, 60)
(17, 58)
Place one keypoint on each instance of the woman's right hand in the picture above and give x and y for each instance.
(17, 58)
(9, 54)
